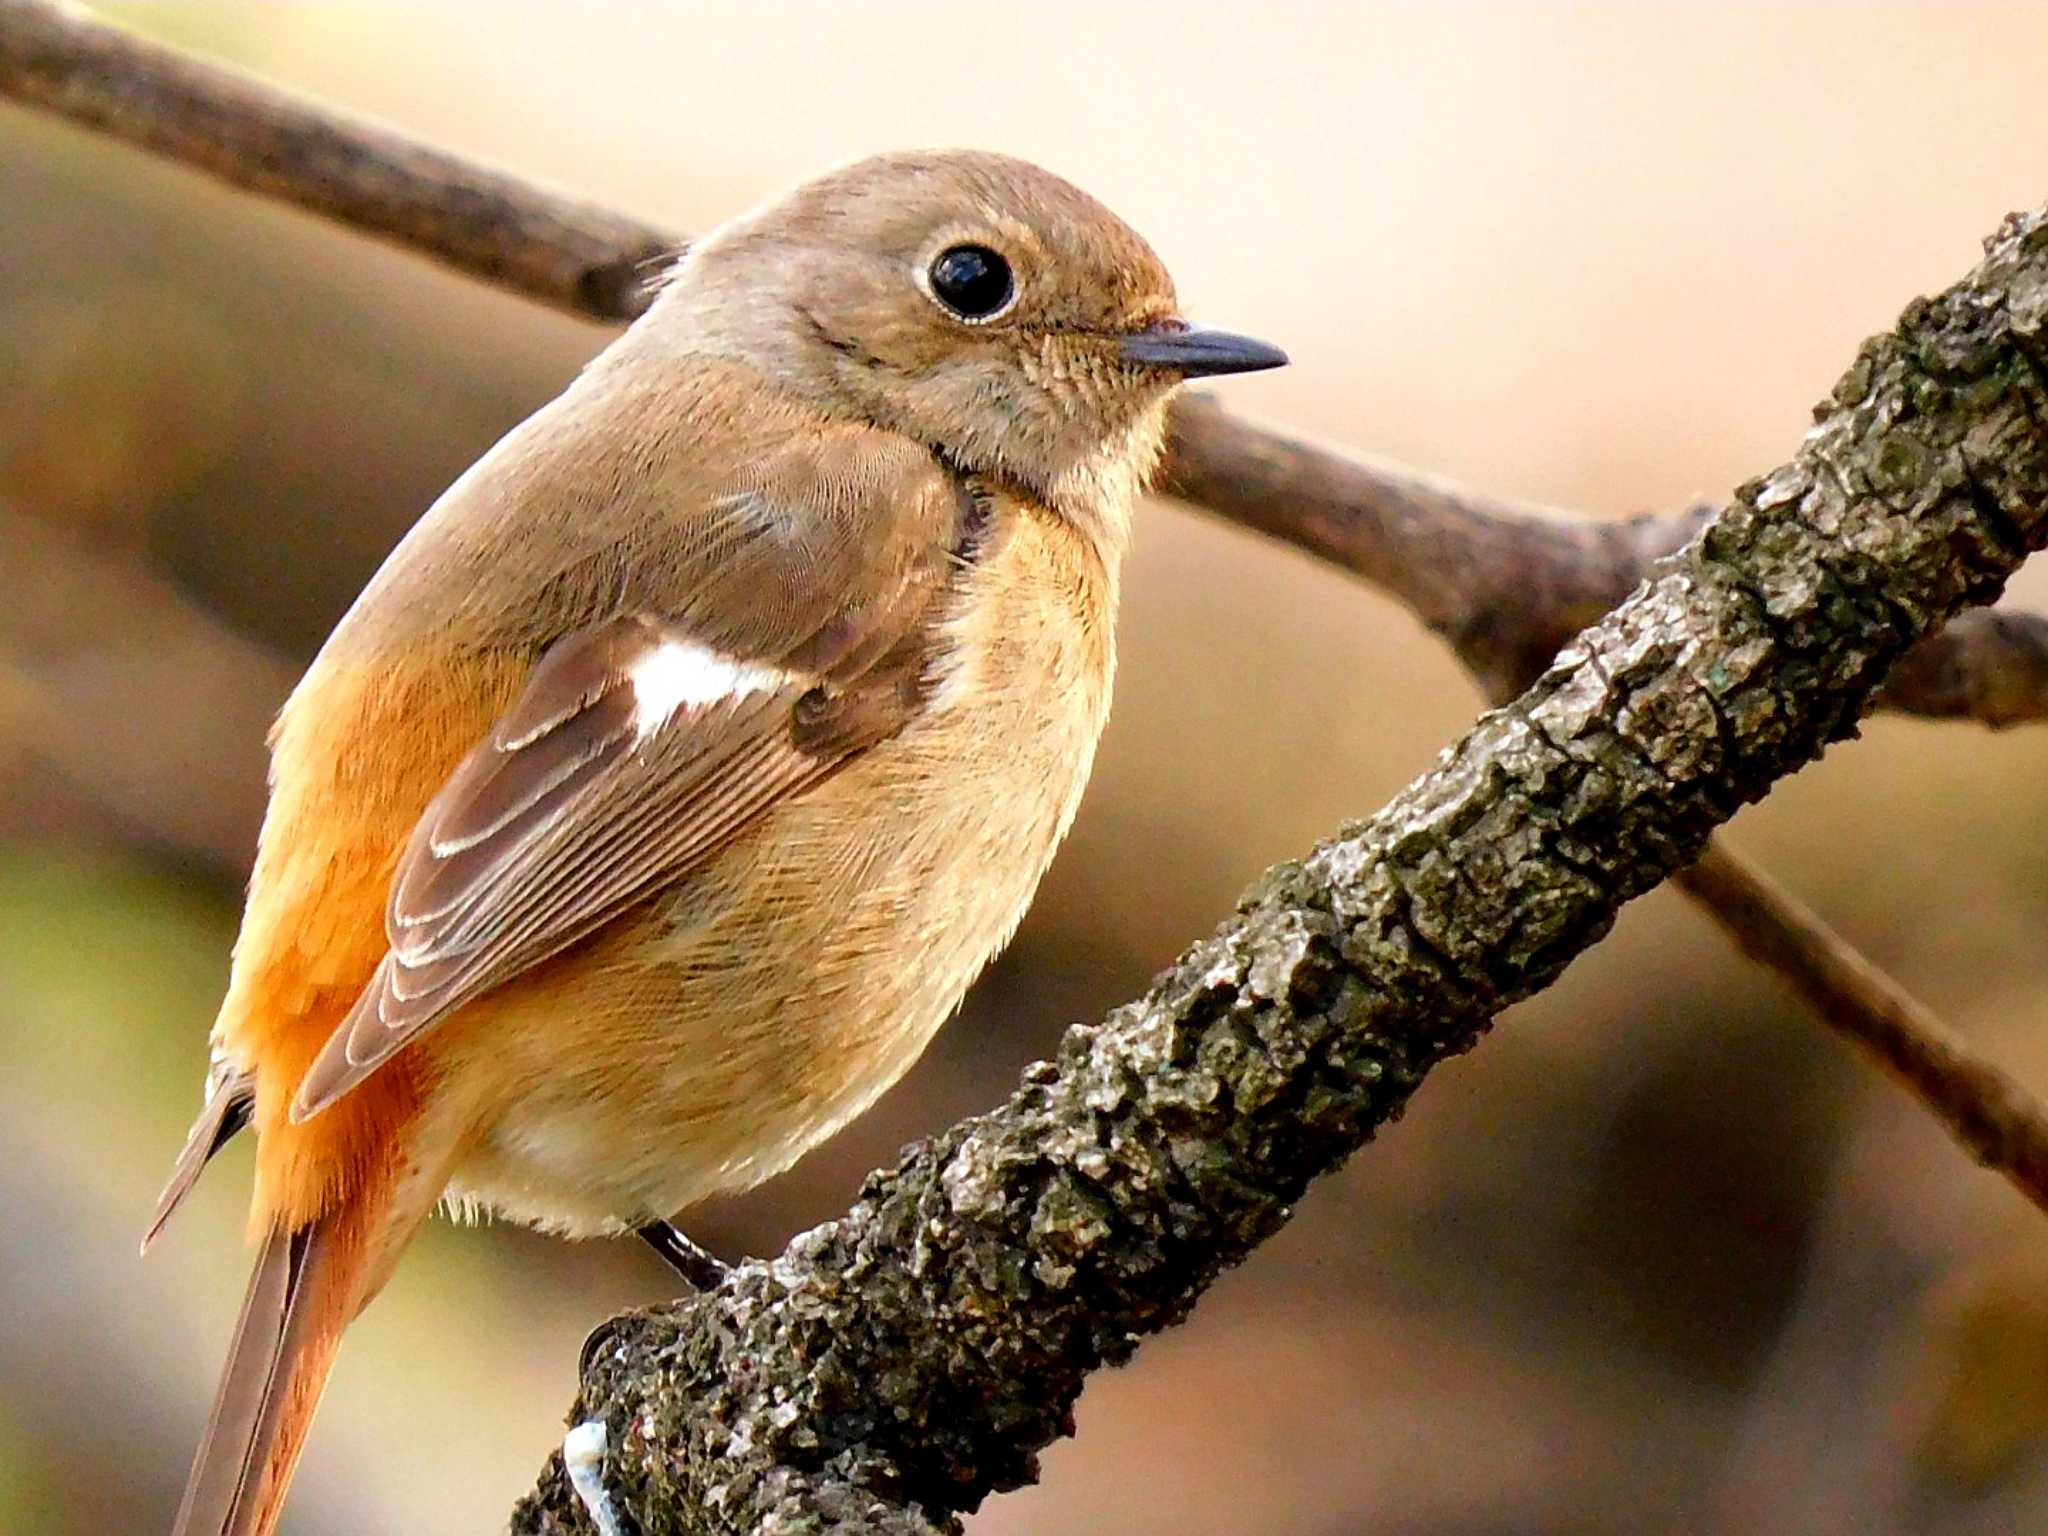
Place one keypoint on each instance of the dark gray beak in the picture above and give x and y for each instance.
(1197, 354)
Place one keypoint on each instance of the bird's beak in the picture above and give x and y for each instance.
(1196, 353)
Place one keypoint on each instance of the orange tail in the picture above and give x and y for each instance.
(305, 1289)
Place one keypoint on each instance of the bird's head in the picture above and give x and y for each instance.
(990, 310)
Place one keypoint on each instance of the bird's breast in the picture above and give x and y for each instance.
(774, 994)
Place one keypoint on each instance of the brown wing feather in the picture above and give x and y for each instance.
(576, 806)
(544, 834)
(229, 1104)
(284, 1341)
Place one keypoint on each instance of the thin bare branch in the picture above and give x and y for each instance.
(1990, 1114)
(1504, 583)
(1990, 665)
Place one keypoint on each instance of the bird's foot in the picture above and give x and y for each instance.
(701, 1271)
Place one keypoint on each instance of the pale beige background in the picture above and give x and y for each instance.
(1655, 1258)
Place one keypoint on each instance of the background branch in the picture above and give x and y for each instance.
(501, 228)
(1990, 1114)
(1504, 582)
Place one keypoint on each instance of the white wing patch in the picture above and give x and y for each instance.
(681, 674)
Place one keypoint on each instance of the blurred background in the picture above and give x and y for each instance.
(1658, 1257)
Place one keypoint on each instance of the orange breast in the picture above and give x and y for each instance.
(360, 749)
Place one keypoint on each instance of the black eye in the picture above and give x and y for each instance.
(972, 281)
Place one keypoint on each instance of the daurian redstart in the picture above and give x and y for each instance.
(661, 795)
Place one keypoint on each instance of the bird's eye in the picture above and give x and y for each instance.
(972, 281)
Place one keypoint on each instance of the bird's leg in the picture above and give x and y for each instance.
(700, 1270)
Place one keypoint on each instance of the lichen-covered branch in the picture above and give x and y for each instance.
(896, 1366)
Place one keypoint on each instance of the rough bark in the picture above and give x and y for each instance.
(895, 1366)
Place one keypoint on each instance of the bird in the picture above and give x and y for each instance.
(662, 793)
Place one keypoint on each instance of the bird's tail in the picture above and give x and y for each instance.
(305, 1289)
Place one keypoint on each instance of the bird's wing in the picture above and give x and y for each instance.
(642, 744)
(230, 1100)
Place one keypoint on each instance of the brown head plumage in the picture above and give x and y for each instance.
(976, 303)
